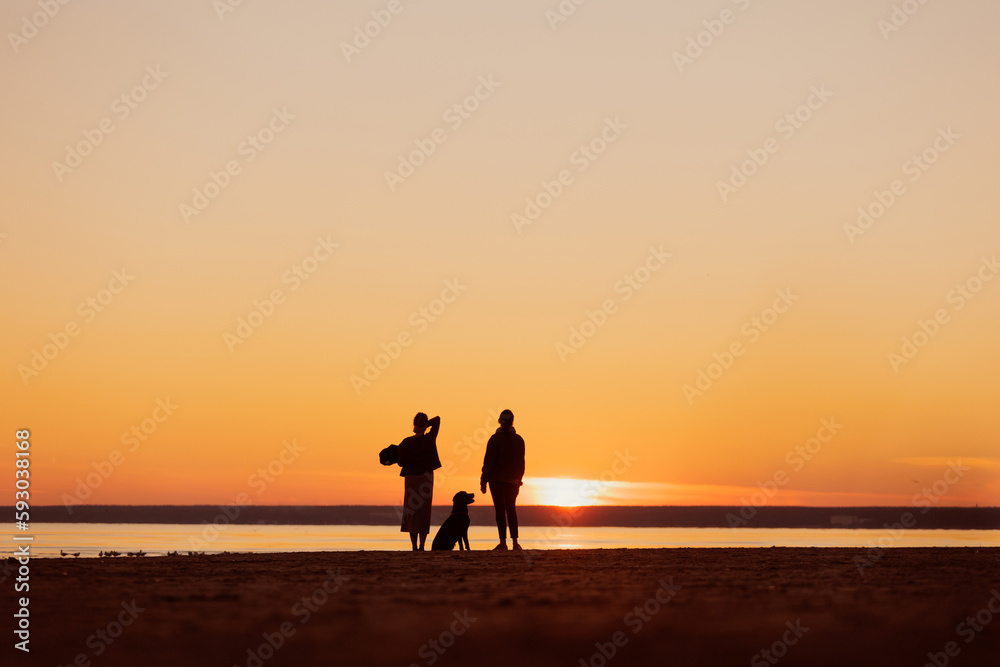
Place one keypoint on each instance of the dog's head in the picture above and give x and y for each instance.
(463, 499)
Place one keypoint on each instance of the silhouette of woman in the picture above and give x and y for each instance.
(418, 457)
(503, 470)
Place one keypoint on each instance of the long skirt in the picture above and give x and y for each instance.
(418, 491)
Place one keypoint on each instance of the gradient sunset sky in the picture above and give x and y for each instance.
(620, 130)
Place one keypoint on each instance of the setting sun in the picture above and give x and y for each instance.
(561, 491)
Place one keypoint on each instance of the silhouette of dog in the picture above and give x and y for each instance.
(456, 527)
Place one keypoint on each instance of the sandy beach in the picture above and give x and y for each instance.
(627, 607)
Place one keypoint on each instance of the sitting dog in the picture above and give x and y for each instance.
(456, 527)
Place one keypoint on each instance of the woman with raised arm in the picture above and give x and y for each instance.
(418, 457)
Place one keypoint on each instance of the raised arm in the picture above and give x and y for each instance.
(435, 424)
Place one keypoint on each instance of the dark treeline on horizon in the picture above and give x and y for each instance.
(984, 518)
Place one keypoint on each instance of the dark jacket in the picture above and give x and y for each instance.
(504, 460)
(418, 454)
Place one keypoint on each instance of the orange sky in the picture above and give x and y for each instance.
(651, 252)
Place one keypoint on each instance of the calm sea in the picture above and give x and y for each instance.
(88, 539)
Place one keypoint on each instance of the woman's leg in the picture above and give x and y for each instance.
(510, 505)
(427, 499)
(499, 508)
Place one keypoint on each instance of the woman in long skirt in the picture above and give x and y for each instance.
(418, 457)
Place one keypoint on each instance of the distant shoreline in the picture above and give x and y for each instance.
(954, 518)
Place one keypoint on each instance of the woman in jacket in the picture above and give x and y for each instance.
(503, 470)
